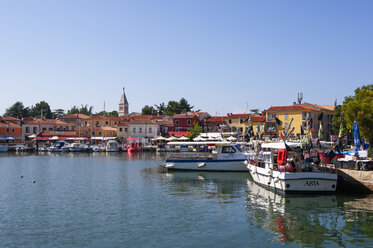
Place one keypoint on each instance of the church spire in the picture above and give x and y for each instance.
(123, 105)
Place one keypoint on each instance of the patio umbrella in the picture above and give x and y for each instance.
(171, 138)
(199, 139)
(160, 138)
(183, 138)
(54, 138)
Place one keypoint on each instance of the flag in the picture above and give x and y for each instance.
(279, 122)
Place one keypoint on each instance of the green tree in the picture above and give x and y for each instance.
(184, 106)
(255, 111)
(73, 110)
(113, 113)
(17, 110)
(196, 130)
(172, 108)
(41, 109)
(161, 108)
(359, 108)
(57, 113)
(148, 110)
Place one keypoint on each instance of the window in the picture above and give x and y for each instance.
(97, 123)
(241, 121)
(140, 130)
(99, 133)
(51, 128)
(86, 123)
(12, 130)
(120, 129)
(44, 128)
(230, 121)
(27, 129)
(93, 133)
(271, 116)
(126, 130)
(240, 130)
(7, 130)
(67, 127)
(304, 115)
(271, 126)
(106, 122)
(150, 129)
(286, 116)
(134, 130)
(110, 134)
(177, 122)
(228, 149)
(86, 133)
(189, 122)
(34, 130)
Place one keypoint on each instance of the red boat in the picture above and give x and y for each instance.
(133, 145)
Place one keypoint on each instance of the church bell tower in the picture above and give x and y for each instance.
(123, 105)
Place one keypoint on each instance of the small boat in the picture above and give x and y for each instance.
(3, 147)
(57, 146)
(112, 146)
(287, 172)
(227, 157)
(77, 147)
(133, 147)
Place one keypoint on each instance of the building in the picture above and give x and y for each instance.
(76, 119)
(237, 122)
(257, 122)
(143, 130)
(214, 124)
(185, 122)
(97, 132)
(123, 131)
(10, 132)
(30, 127)
(123, 105)
(299, 113)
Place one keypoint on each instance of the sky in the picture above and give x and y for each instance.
(222, 56)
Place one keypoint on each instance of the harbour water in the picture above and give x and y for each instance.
(123, 200)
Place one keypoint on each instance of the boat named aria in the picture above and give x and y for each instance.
(289, 173)
(226, 157)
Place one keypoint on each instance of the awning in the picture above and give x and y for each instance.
(178, 134)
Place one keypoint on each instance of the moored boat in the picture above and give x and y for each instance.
(227, 157)
(287, 172)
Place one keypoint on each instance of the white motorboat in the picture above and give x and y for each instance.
(228, 157)
(77, 147)
(293, 176)
(3, 147)
(112, 146)
(57, 146)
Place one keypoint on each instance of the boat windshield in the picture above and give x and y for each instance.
(238, 148)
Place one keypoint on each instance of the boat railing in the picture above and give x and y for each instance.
(188, 156)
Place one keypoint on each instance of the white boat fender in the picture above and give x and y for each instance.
(276, 180)
(170, 165)
(246, 162)
(201, 165)
(269, 171)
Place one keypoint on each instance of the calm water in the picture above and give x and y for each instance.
(108, 200)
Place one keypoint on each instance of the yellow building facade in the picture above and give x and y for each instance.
(299, 113)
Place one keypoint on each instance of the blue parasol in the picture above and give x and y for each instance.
(355, 131)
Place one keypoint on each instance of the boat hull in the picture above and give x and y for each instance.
(206, 165)
(297, 182)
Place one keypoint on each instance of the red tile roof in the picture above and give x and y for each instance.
(258, 118)
(298, 107)
(216, 119)
(237, 116)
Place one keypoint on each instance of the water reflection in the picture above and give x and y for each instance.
(316, 220)
(223, 186)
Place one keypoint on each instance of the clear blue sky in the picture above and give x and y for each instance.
(219, 55)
